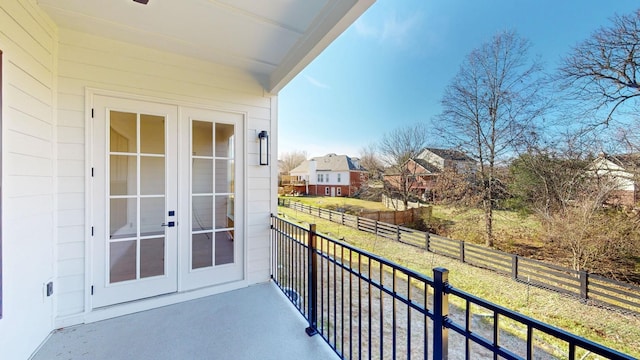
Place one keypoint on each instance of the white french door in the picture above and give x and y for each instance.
(212, 245)
(134, 200)
(167, 193)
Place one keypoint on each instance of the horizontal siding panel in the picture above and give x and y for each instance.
(259, 184)
(99, 47)
(70, 284)
(169, 88)
(38, 37)
(71, 118)
(71, 201)
(73, 217)
(71, 135)
(71, 167)
(22, 79)
(24, 210)
(21, 101)
(24, 186)
(70, 303)
(70, 251)
(74, 233)
(70, 102)
(26, 49)
(26, 165)
(71, 152)
(24, 123)
(27, 144)
(70, 184)
(258, 195)
(71, 267)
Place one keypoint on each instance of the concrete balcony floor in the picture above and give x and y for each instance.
(257, 322)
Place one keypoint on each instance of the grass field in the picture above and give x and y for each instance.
(610, 328)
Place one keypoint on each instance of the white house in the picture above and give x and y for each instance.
(622, 173)
(329, 175)
(130, 170)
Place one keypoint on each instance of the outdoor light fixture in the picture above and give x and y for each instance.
(264, 147)
(142, 1)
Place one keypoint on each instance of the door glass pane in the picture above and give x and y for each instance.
(151, 257)
(202, 211)
(202, 138)
(123, 179)
(151, 134)
(123, 132)
(224, 211)
(224, 176)
(201, 251)
(152, 175)
(224, 140)
(151, 216)
(122, 261)
(202, 176)
(224, 247)
(123, 218)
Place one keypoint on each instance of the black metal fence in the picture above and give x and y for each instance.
(581, 284)
(367, 307)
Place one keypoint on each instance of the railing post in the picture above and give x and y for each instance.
(584, 282)
(462, 251)
(427, 241)
(312, 282)
(514, 267)
(440, 313)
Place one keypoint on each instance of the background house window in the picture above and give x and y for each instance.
(339, 190)
(326, 190)
(338, 178)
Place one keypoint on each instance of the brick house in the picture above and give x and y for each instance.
(421, 172)
(329, 175)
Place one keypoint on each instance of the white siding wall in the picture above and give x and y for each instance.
(27, 39)
(87, 61)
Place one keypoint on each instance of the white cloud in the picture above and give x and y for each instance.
(313, 81)
(394, 29)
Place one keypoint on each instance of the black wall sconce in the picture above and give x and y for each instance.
(264, 147)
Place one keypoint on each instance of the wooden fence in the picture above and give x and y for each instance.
(588, 287)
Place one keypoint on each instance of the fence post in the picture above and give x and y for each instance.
(514, 267)
(427, 241)
(312, 282)
(398, 232)
(461, 251)
(584, 284)
(440, 313)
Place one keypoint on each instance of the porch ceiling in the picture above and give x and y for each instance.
(273, 40)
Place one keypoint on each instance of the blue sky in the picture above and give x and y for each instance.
(390, 68)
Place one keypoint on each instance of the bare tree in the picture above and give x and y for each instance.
(373, 188)
(490, 107)
(603, 72)
(290, 160)
(397, 149)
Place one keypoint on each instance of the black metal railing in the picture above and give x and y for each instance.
(367, 307)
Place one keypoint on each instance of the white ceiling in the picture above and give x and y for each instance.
(271, 39)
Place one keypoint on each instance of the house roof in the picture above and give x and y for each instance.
(272, 40)
(450, 154)
(330, 162)
(427, 166)
(628, 161)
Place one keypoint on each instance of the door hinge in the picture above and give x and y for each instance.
(91, 172)
(92, 113)
(92, 231)
(91, 289)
